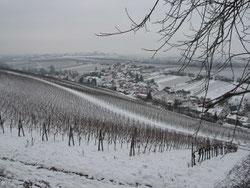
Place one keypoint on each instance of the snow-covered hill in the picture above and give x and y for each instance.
(54, 164)
(162, 139)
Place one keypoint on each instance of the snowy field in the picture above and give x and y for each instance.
(54, 164)
(169, 80)
(227, 72)
(81, 64)
(89, 67)
(216, 88)
(45, 64)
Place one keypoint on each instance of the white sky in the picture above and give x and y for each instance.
(57, 26)
(51, 26)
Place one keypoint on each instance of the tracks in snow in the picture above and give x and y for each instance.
(38, 166)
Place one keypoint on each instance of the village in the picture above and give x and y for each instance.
(167, 88)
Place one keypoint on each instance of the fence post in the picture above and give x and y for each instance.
(192, 150)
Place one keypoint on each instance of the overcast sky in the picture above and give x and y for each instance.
(52, 26)
(58, 26)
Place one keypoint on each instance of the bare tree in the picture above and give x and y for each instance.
(217, 38)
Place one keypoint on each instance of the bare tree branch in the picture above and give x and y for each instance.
(222, 26)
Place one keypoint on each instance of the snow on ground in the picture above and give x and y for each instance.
(217, 88)
(85, 68)
(168, 80)
(118, 110)
(154, 75)
(176, 81)
(197, 85)
(56, 164)
(113, 108)
(59, 165)
(239, 176)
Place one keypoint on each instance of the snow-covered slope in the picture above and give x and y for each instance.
(157, 163)
(55, 164)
